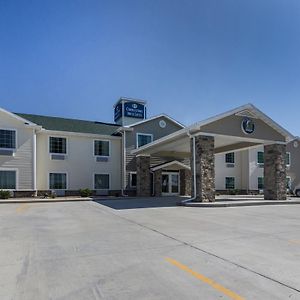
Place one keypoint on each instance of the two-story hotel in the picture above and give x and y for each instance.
(242, 150)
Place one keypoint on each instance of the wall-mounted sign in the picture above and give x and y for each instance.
(118, 112)
(134, 110)
(248, 126)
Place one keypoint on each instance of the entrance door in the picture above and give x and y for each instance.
(170, 184)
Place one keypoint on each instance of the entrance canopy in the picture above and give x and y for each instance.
(238, 129)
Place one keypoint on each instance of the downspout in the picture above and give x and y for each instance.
(34, 170)
(194, 171)
(123, 163)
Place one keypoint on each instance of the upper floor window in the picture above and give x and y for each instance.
(260, 157)
(7, 139)
(143, 139)
(101, 148)
(58, 145)
(288, 158)
(229, 158)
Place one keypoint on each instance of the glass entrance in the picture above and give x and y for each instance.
(170, 183)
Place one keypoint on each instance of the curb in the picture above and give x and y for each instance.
(43, 201)
(238, 204)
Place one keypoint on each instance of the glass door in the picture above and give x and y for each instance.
(170, 184)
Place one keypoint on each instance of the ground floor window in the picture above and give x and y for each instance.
(132, 179)
(288, 183)
(8, 180)
(101, 182)
(260, 183)
(230, 183)
(58, 181)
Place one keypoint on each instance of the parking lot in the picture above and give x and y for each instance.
(148, 249)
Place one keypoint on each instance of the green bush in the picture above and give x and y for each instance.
(4, 194)
(85, 192)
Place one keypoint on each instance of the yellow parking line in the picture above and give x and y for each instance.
(205, 279)
(21, 208)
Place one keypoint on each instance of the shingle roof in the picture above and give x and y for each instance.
(71, 125)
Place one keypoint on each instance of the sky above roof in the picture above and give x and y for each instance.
(191, 59)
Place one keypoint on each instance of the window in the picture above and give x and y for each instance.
(229, 183)
(288, 182)
(58, 145)
(101, 182)
(143, 139)
(7, 139)
(8, 180)
(288, 158)
(229, 158)
(260, 157)
(101, 148)
(260, 183)
(132, 179)
(58, 181)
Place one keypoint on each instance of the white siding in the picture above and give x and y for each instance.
(254, 170)
(80, 163)
(22, 161)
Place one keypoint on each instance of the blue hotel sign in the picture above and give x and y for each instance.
(134, 110)
(118, 112)
(131, 109)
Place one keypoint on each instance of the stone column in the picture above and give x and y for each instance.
(274, 172)
(205, 168)
(143, 179)
(157, 183)
(185, 182)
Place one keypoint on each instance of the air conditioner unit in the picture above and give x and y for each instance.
(7, 152)
(230, 165)
(58, 157)
(101, 159)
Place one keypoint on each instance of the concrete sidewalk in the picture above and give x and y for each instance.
(39, 200)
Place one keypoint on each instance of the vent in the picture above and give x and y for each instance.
(101, 159)
(7, 152)
(261, 165)
(58, 157)
(230, 165)
(246, 113)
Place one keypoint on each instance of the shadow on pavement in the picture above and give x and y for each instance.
(133, 203)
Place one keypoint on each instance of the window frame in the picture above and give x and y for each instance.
(260, 163)
(109, 181)
(233, 183)
(17, 178)
(227, 162)
(137, 138)
(16, 139)
(263, 183)
(67, 181)
(109, 148)
(61, 137)
(130, 179)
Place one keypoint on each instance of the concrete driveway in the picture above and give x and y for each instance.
(148, 250)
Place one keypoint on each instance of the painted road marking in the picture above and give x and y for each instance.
(21, 208)
(206, 280)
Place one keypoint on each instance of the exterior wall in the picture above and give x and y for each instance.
(151, 127)
(223, 171)
(22, 161)
(80, 164)
(293, 170)
(255, 170)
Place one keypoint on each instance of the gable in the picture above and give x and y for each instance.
(9, 120)
(232, 126)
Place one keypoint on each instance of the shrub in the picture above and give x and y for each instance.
(85, 192)
(4, 194)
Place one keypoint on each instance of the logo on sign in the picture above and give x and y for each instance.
(134, 110)
(248, 126)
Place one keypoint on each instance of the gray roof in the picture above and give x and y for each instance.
(71, 125)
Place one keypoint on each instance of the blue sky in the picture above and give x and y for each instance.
(190, 59)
